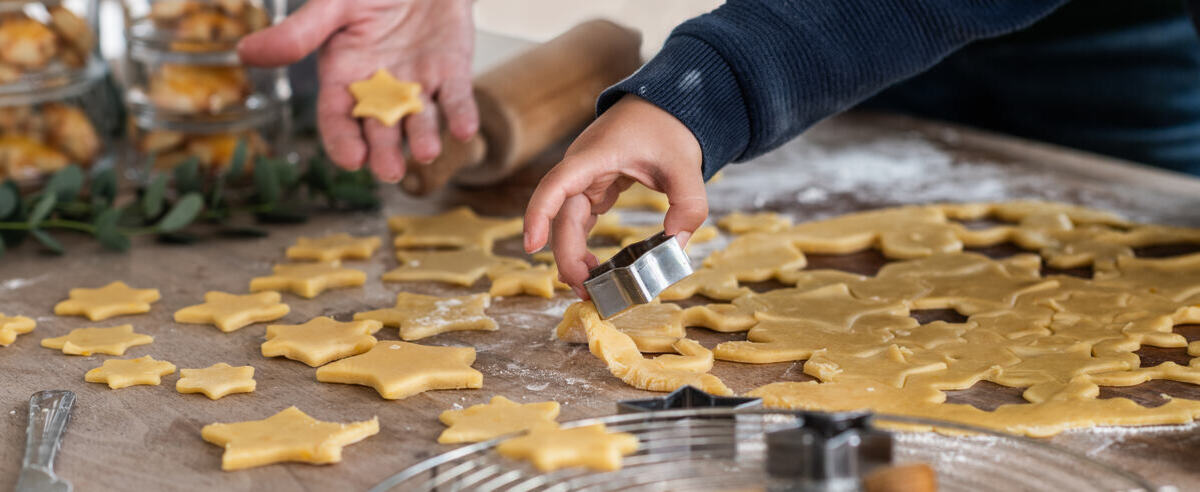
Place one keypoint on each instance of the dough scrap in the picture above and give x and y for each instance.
(88, 341)
(320, 340)
(230, 312)
(609, 225)
(122, 373)
(11, 326)
(420, 316)
(114, 299)
(742, 223)
(217, 380)
(401, 369)
(494, 419)
(333, 247)
(653, 327)
(748, 258)
(308, 280)
(549, 447)
(459, 228)
(461, 267)
(385, 98)
(290, 435)
(540, 280)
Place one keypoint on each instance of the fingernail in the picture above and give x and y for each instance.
(682, 238)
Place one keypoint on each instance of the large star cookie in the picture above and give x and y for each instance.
(550, 448)
(459, 228)
(499, 417)
(334, 247)
(541, 281)
(290, 435)
(217, 380)
(400, 369)
(88, 341)
(384, 98)
(105, 302)
(229, 312)
(419, 316)
(121, 373)
(462, 267)
(308, 279)
(320, 340)
(11, 326)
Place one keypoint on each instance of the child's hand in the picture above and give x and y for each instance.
(633, 141)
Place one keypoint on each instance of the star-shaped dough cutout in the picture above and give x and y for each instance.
(320, 340)
(88, 341)
(639, 196)
(420, 316)
(333, 247)
(459, 228)
(541, 281)
(308, 280)
(122, 373)
(229, 312)
(549, 447)
(290, 435)
(114, 299)
(742, 223)
(461, 267)
(499, 417)
(384, 98)
(401, 369)
(11, 326)
(217, 380)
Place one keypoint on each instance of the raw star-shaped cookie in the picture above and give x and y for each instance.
(462, 267)
(308, 279)
(459, 228)
(549, 447)
(290, 435)
(384, 98)
(88, 341)
(217, 380)
(639, 196)
(741, 223)
(11, 326)
(541, 281)
(229, 312)
(320, 340)
(420, 316)
(334, 247)
(121, 373)
(401, 369)
(499, 417)
(114, 299)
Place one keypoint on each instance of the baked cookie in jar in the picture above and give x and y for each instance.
(45, 40)
(160, 145)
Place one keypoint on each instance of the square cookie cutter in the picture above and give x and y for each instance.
(637, 274)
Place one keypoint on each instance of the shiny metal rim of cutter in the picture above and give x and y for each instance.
(637, 274)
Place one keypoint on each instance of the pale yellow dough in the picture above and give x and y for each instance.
(114, 299)
(88, 341)
(549, 447)
(639, 196)
(401, 369)
(216, 381)
(740, 223)
(462, 267)
(420, 316)
(308, 279)
(290, 435)
(122, 373)
(494, 419)
(320, 340)
(333, 247)
(540, 280)
(653, 327)
(11, 326)
(459, 228)
(229, 312)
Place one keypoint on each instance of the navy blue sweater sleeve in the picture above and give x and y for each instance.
(752, 74)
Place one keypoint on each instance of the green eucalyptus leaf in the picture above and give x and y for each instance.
(107, 232)
(182, 214)
(42, 209)
(288, 175)
(187, 175)
(217, 195)
(114, 240)
(154, 196)
(107, 220)
(65, 183)
(47, 240)
(8, 201)
(104, 187)
(319, 176)
(238, 162)
(266, 183)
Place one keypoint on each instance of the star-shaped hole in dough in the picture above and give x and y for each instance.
(320, 340)
(401, 369)
(549, 447)
(114, 299)
(333, 247)
(88, 341)
(11, 326)
(420, 316)
(290, 435)
(461, 267)
(217, 380)
(494, 419)
(541, 281)
(229, 312)
(459, 228)
(122, 373)
(308, 280)
(385, 98)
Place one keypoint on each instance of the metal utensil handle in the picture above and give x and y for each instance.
(49, 412)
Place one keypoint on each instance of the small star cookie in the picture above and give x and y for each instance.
(333, 247)
(401, 369)
(88, 341)
(290, 435)
(419, 316)
(550, 448)
(114, 299)
(499, 417)
(320, 340)
(230, 312)
(541, 281)
(459, 228)
(121, 373)
(309, 279)
(11, 326)
(384, 98)
(217, 380)
(462, 267)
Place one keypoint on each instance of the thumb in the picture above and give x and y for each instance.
(299, 34)
(689, 206)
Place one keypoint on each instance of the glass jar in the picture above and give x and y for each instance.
(42, 41)
(160, 145)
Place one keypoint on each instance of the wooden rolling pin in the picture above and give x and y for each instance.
(530, 102)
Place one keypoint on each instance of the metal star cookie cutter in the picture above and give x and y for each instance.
(686, 397)
(637, 274)
(828, 451)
